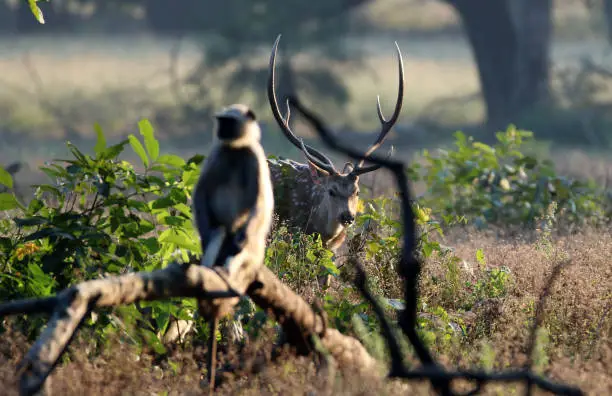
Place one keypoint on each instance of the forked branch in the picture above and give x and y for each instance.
(71, 306)
(410, 270)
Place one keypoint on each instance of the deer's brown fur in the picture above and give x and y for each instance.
(315, 197)
(314, 202)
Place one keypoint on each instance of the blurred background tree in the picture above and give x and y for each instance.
(239, 33)
(326, 46)
(510, 40)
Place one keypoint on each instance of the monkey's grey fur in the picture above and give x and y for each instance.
(233, 203)
(233, 199)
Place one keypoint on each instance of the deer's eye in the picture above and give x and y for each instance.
(332, 193)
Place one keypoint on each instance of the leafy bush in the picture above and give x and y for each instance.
(100, 216)
(501, 184)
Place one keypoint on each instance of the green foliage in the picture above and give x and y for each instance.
(36, 10)
(298, 259)
(501, 184)
(383, 245)
(98, 216)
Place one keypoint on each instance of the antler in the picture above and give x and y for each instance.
(385, 125)
(313, 155)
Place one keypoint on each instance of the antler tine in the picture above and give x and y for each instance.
(385, 125)
(306, 153)
(371, 168)
(313, 155)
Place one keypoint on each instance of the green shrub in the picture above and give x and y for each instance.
(100, 216)
(96, 217)
(501, 184)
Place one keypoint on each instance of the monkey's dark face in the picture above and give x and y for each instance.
(235, 123)
(230, 128)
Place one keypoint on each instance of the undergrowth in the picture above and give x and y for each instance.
(97, 216)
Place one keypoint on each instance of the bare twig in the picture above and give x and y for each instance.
(55, 111)
(410, 269)
(175, 81)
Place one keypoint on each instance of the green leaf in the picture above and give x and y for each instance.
(8, 201)
(162, 203)
(100, 146)
(138, 149)
(146, 130)
(172, 160)
(484, 147)
(31, 221)
(197, 159)
(77, 153)
(174, 220)
(115, 150)
(182, 241)
(36, 11)
(153, 341)
(151, 244)
(35, 205)
(6, 178)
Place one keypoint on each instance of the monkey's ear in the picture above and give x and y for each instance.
(316, 173)
(251, 115)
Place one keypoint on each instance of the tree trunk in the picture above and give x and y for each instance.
(510, 42)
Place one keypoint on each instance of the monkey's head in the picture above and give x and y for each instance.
(237, 125)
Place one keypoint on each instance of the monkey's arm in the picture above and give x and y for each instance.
(209, 230)
(250, 177)
(212, 234)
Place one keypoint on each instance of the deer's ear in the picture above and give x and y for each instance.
(316, 173)
(348, 167)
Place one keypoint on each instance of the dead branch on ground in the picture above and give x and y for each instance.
(69, 307)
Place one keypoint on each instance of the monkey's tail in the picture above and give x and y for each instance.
(212, 353)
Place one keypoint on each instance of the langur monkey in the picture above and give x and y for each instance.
(232, 207)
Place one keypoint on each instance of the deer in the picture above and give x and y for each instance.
(315, 197)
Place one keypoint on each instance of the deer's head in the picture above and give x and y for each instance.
(336, 191)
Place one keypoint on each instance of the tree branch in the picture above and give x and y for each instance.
(69, 307)
(410, 270)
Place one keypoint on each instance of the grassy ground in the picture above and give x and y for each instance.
(576, 349)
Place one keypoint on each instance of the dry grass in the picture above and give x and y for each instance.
(577, 318)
